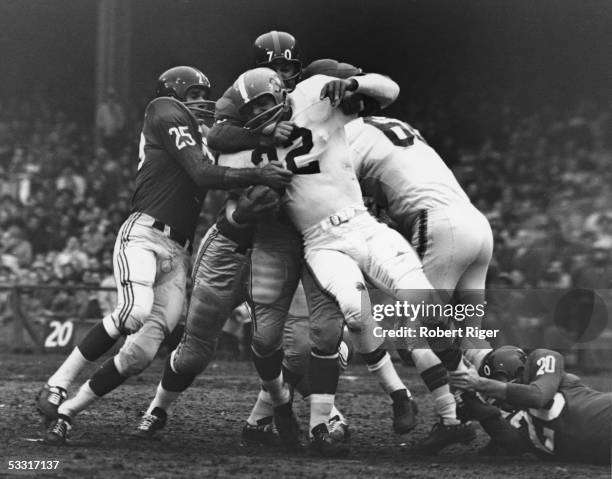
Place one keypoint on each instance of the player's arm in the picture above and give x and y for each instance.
(177, 134)
(228, 136)
(379, 88)
(544, 371)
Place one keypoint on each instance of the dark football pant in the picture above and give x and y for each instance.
(219, 285)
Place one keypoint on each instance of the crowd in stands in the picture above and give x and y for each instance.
(542, 178)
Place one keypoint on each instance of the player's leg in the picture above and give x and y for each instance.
(100, 337)
(274, 275)
(394, 267)
(349, 290)
(158, 287)
(471, 287)
(219, 276)
(328, 429)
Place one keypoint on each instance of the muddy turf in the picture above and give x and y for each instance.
(202, 438)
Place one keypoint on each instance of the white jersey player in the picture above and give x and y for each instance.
(403, 174)
(343, 242)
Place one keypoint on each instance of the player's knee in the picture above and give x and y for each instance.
(326, 341)
(296, 360)
(192, 357)
(133, 358)
(129, 320)
(264, 345)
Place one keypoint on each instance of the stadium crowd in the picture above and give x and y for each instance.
(542, 179)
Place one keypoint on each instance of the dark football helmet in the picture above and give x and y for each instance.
(274, 46)
(506, 363)
(255, 85)
(332, 68)
(177, 81)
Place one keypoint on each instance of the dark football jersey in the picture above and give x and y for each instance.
(575, 422)
(164, 190)
(227, 134)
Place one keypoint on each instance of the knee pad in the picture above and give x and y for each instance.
(264, 345)
(193, 355)
(133, 358)
(130, 319)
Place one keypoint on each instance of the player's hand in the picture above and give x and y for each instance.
(256, 202)
(465, 380)
(274, 175)
(336, 89)
(282, 132)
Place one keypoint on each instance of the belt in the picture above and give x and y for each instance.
(174, 235)
(342, 216)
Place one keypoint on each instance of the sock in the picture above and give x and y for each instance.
(172, 381)
(263, 408)
(96, 342)
(107, 378)
(69, 370)
(291, 378)
(476, 356)
(386, 374)
(83, 398)
(435, 377)
(335, 412)
(99, 339)
(163, 399)
(303, 387)
(278, 390)
(321, 406)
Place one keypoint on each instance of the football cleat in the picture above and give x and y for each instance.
(404, 415)
(287, 426)
(58, 431)
(48, 400)
(263, 433)
(443, 435)
(150, 423)
(339, 429)
(325, 445)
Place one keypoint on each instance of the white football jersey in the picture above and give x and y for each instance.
(324, 181)
(399, 169)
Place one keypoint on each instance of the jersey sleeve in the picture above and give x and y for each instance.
(227, 134)
(544, 371)
(176, 131)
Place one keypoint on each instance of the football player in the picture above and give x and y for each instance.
(406, 177)
(220, 267)
(153, 246)
(550, 411)
(325, 204)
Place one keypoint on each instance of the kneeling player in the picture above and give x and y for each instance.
(551, 411)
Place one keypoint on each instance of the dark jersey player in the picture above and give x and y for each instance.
(552, 411)
(153, 246)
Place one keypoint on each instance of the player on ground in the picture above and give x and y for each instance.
(326, 206)
(153, 245)
(551, 411)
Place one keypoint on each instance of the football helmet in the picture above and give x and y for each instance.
(506, 363)
(255, 85)
(177, 81)
(275, 45)
(332, 68)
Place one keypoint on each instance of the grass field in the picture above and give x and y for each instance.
(202, 438)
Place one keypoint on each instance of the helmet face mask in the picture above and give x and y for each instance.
(264, 98)
(189, 86)
(280, 52)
